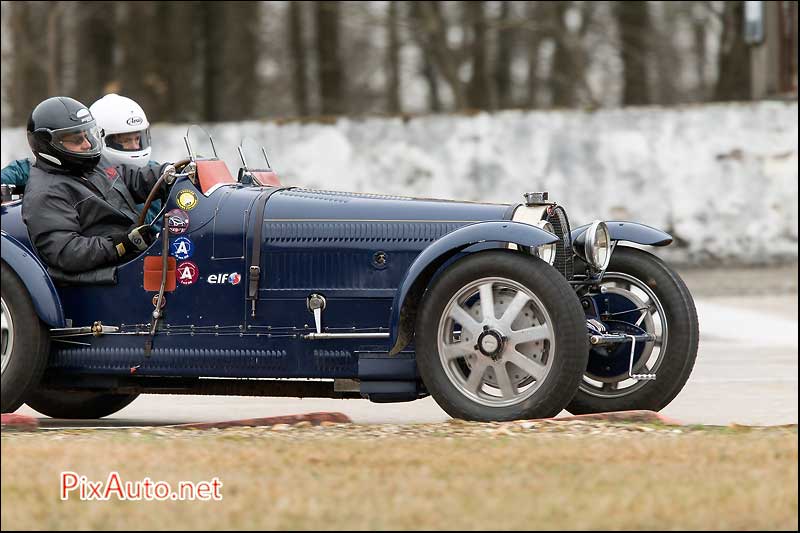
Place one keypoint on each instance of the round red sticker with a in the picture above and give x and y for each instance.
(187, 273)
(111, 173)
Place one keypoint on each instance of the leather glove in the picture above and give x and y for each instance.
(137, 239)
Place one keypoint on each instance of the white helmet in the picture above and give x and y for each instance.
(117, 115)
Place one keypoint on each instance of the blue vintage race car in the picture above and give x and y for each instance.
(499, 311)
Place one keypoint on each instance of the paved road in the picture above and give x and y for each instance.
(746, 369)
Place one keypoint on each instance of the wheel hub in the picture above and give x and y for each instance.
(491, 343)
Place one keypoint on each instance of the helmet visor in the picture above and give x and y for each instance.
(132, 141)
(83, 140)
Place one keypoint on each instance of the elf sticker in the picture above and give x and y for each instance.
(177, 221)
(181, 248)
(187, 200)
(233, 278)
(187, 273)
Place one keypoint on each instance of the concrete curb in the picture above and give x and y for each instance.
(643, 417)
(19, 422)
(314, 418)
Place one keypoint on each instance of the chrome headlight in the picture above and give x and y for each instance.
(597, 245)
(545, 252)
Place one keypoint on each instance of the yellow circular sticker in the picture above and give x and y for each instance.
(187, 200)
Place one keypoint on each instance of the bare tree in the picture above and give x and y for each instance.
(241, 83)
(176, 71)
(393, 59)
(331, 68)
(479, 95)
(633, 22)
(535, 12)
(433, 30)
(502, 65)
(28, 79)
(55, 57)
(98, 35)
(565, 70)
(212, 14)
(734, 56)
(298, 54)
(417, 22)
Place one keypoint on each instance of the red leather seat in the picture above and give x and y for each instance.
(212, 173)
(266, 177)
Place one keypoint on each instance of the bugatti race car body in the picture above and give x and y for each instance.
(500, 311)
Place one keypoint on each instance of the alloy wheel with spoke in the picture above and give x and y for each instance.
(495, 341)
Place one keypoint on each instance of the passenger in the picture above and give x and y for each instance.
(79, 216)
(126, 142)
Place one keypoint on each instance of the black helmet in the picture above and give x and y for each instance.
(64, 135)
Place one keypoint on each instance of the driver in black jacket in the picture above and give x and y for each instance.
(80, 218)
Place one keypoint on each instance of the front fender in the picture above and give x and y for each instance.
(408, 295)
(34, 276)
(631, 232)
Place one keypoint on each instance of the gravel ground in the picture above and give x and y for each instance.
(451, 429)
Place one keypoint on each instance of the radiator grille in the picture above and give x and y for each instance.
(558, 218)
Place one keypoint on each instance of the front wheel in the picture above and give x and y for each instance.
(501, 336)
(80, 405)
(639, 293)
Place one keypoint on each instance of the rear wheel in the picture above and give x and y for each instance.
(643, 295)
(25, 342)
(78, 404)
(501, 336)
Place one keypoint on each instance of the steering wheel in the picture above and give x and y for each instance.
(179, 165)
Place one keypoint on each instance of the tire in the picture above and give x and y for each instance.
(559, 359)
(25, 352)
(675, 364)
(78, 405)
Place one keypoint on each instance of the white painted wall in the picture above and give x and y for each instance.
(721, 178)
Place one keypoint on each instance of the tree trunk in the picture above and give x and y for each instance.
(535, 14)
(240, 81)
(564, 72)
(479, 94)
(177, 69)
(734, 56)
(27, 79)
(55, 58)
(393, 59)
(213, 14)
(502, 66)
(699, 29)
(331, 71)
(299, 64)
(633, 22)
(97, 39)
(420, 33)
(433, 29)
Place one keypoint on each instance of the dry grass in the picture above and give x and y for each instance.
(333, 479)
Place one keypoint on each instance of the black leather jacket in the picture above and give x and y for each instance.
(70, 218)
